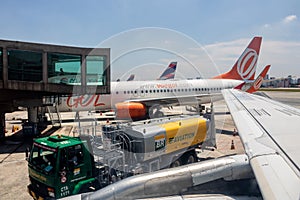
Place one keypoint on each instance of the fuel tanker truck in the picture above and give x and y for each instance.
(60, 166)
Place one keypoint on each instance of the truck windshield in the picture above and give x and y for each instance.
(43, 158)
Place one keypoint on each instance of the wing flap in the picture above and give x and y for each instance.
(268, 130)
(275, 177)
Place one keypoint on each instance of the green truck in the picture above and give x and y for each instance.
(61, 166)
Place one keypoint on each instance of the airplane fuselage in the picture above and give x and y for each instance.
(188, 91)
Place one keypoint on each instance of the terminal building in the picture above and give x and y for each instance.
(32, 71)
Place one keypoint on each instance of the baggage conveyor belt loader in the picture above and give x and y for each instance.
(61, 166)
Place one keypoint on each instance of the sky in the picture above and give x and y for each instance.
(205, 37)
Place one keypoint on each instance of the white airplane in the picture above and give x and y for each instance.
(270, 133)
(138, 99)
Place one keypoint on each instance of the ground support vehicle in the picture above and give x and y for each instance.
(60, 166)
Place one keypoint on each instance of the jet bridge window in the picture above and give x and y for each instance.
(95, 70)
(25, 65)
(64, 68)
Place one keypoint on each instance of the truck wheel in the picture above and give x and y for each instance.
(176, 163)
(190, 158)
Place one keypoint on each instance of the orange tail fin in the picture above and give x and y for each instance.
(245, 66)
(255, 85)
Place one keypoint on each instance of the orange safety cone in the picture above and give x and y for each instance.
(232, 145)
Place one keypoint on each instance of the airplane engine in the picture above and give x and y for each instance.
(131, 110)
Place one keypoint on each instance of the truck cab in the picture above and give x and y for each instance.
(60, 166)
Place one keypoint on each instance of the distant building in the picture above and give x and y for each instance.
(266, 77)
(287, 82)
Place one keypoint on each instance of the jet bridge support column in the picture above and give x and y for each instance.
(30, 128)
(32, 114)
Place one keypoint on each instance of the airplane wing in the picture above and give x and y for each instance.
(270, 132)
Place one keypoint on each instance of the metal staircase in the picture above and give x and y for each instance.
(51, 104)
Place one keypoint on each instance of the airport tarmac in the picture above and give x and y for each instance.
(290, 98)
(13, 166)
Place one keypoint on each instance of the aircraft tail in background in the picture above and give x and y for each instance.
(255, 85)
(131, 77)
(245, 66)
(169, 73)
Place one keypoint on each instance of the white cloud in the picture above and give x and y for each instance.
(289, 18)
(283, 57)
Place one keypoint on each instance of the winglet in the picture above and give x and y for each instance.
(169, 73)
(245, 66)
(254, 86)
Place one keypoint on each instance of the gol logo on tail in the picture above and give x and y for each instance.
(249, 55)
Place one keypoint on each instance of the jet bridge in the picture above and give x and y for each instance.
(31, 71)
